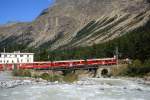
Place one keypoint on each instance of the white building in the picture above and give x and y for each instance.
(16, 57)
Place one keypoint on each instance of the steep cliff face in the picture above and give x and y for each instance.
(72, 23)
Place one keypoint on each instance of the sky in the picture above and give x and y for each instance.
(21, 10)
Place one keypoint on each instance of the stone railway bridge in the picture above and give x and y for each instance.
(98, 70)
(98, 66)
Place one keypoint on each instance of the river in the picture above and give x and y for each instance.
(85, 89)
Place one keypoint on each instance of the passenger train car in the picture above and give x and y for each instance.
(60, 64)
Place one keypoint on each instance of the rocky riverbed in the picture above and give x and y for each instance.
(9, 81)
(13, 88)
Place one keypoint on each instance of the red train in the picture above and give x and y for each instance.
(60, 64)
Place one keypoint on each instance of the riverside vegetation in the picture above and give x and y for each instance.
(68, 77)
(134, 69)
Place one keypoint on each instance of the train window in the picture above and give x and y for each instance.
(75, 62)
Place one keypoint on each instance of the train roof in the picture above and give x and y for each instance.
(74, 60)
(69, 60)
(102, 58)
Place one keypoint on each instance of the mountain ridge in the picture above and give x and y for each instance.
(73, 23)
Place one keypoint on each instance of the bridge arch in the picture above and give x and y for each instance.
(104, 72)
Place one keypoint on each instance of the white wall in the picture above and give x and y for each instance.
(11, 58)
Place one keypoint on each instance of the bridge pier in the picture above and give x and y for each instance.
(95, 71)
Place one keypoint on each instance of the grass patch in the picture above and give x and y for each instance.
(51, 77)
(135, 69)
(68, 77)
(22, 73)
(120, 70)
(71, 77)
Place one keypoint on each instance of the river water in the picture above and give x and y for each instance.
(85, 89)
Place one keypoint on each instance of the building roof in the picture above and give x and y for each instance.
(17, 53)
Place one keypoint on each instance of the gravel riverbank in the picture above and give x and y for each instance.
(8, 81)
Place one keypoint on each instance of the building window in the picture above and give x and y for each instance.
(21, 55)
(18, 60)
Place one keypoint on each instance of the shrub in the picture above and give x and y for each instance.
(35, 75)
(51, 77)
(138, 69)
(21, 72)
(56, 78)
(121, 70)
(147, 63)
(27, 73)
(136, 64)
(45, 76)
(70, 78)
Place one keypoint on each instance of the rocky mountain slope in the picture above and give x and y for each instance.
(72, 23)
